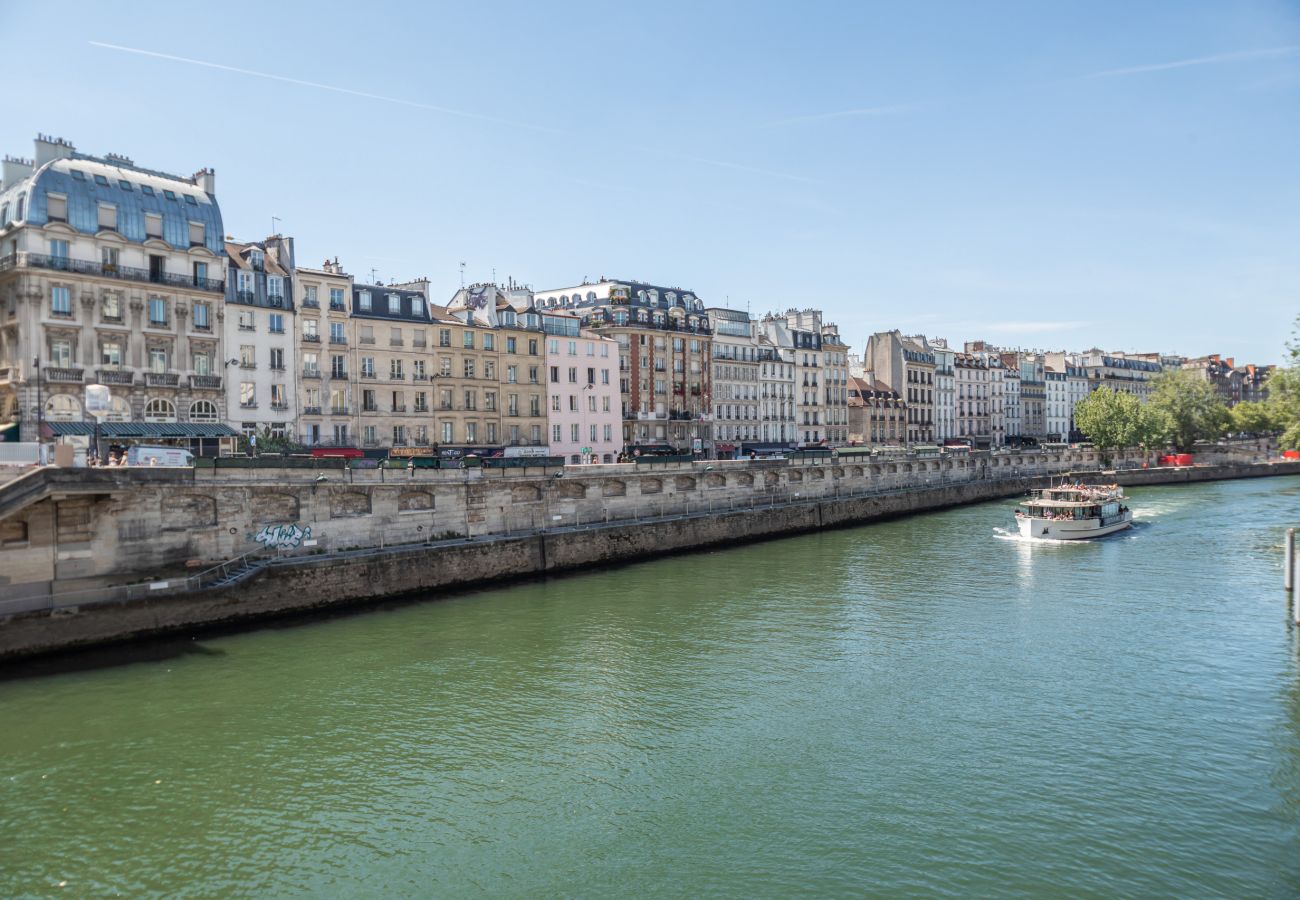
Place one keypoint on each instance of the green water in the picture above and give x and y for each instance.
(918, 707)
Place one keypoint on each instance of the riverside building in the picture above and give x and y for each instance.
(383, 350)
(110, 273)
(325, 405)
(258, 326)
(737, 392)
(584, 415)
(776, 386)
(945, 418)
(877, 415)
(905, 365)
(972, 397)
(665, 340)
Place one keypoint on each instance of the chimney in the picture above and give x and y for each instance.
(14, 170)
(51, 148)
(207, 179)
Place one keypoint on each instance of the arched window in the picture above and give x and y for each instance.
(118, 411)
(671, 297)
(159, 410)
(591, 296)
(63, 408)
(203, 411)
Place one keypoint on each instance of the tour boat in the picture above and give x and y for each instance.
(1071, 512)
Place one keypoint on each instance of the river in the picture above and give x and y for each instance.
(923, 706)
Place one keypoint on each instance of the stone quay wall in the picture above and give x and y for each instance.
(801, 498)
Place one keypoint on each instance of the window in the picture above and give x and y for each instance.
(247, 356)
(200, 274)
(61, 353)
(444, 337)
(247, 321)
(363, 301)
(189, 198)
(197, 234)
(336, 333)
(555, 402)
(277, 323)
(153, 225)
(417, 306)
(202, 363)
(107, 217)
(510, 345)
(469, 368)
(512, 374)
(573, 374)
(395, 369)
(532, 346)
(56, 206)
(395, 337)
(471, 432)
(553, 347)
(59, 253)
(469, 340)
(338, 367)
(159, 410)
(557, 434)
(573, 403)
(394, 305)
(275, 290)
(489, 342)
(201, 312)
(203, 411)
(247, 394)
(101, 180)
(146, 190)
(78, 175)
(277, 358)
(110, 354)
(447, 435)
(279, 399)
(367, 367)
(309, 329)
(60, 301)
(573, 348)
(336, 298)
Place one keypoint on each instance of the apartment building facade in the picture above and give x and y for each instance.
(905, 365)
(877, 414)
(737, 393)
(259, 328)
(325, 405)
(110, 274)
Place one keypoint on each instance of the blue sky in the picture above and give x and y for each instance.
(1036, 174)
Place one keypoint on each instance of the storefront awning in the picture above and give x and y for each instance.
(143, 430)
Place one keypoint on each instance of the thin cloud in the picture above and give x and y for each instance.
(1216, 59)
(862, 112)
(446, 110)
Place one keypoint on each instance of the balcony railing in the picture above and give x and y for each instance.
(311, 373)
(419, 377)
(339, 373)
(396, 342)
(340, 411)
(338, 339)
(24, 259)
(247, 364)
(311, 338)
(205, 381)
(396, 376)
(67, 376)
(365, 340)
(248, 404)
(115, 376)
(310, 304)
(247, 326)
(281, 405)
(161, 379)
(244, 296)
(337, 307)
(399, 407)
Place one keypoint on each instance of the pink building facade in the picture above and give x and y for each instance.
(584, 415)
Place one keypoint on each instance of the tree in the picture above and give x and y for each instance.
(1255, 418)
(1107, 418)
(1194, 409)
(1150, 429)
(1284, 394)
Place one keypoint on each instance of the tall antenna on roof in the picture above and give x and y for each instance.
(462, 274)
(274, 219)
(373, 270)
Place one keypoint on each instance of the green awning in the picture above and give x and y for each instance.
(144, 430)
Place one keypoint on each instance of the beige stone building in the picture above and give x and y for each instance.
(905, 365)
(326, 414)
(112, 274)
(877, 415)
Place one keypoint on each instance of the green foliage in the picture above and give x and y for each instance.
(1257, 418)
(268, 443)
(1109, 419)
(1284, 394)
(1193, 408)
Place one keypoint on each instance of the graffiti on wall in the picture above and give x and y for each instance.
(282, 537)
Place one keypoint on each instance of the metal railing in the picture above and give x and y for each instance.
(24, 259)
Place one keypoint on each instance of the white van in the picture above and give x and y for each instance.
(159, 456)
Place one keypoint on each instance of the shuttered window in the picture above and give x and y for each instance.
(108, 216)
(152, 225)
(57, 207)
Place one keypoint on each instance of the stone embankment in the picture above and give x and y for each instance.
(673, 514)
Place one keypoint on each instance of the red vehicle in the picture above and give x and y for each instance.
(336, 452)
(1175, 459)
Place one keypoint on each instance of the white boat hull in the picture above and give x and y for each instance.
(1071, 529)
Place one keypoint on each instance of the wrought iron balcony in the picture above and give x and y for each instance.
(311, 373)
(161, 379)
(366, 340)
(308, 303)
(311, 338)
(116, 376)
(338, 339)
(311, 410)
(207, 382)
(244, 297)
(66, 376)
(27, 260)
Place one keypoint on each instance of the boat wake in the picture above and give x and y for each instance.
(1003, 534)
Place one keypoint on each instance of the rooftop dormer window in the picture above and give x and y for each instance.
(170, 195)
(394, 305)
(146, 190)
(101, 180)
(124, 184)
(417, 306)
(78, 175)
(363, 301)
(255, 259)
(189, 198)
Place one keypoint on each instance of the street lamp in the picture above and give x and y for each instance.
(98, 401)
